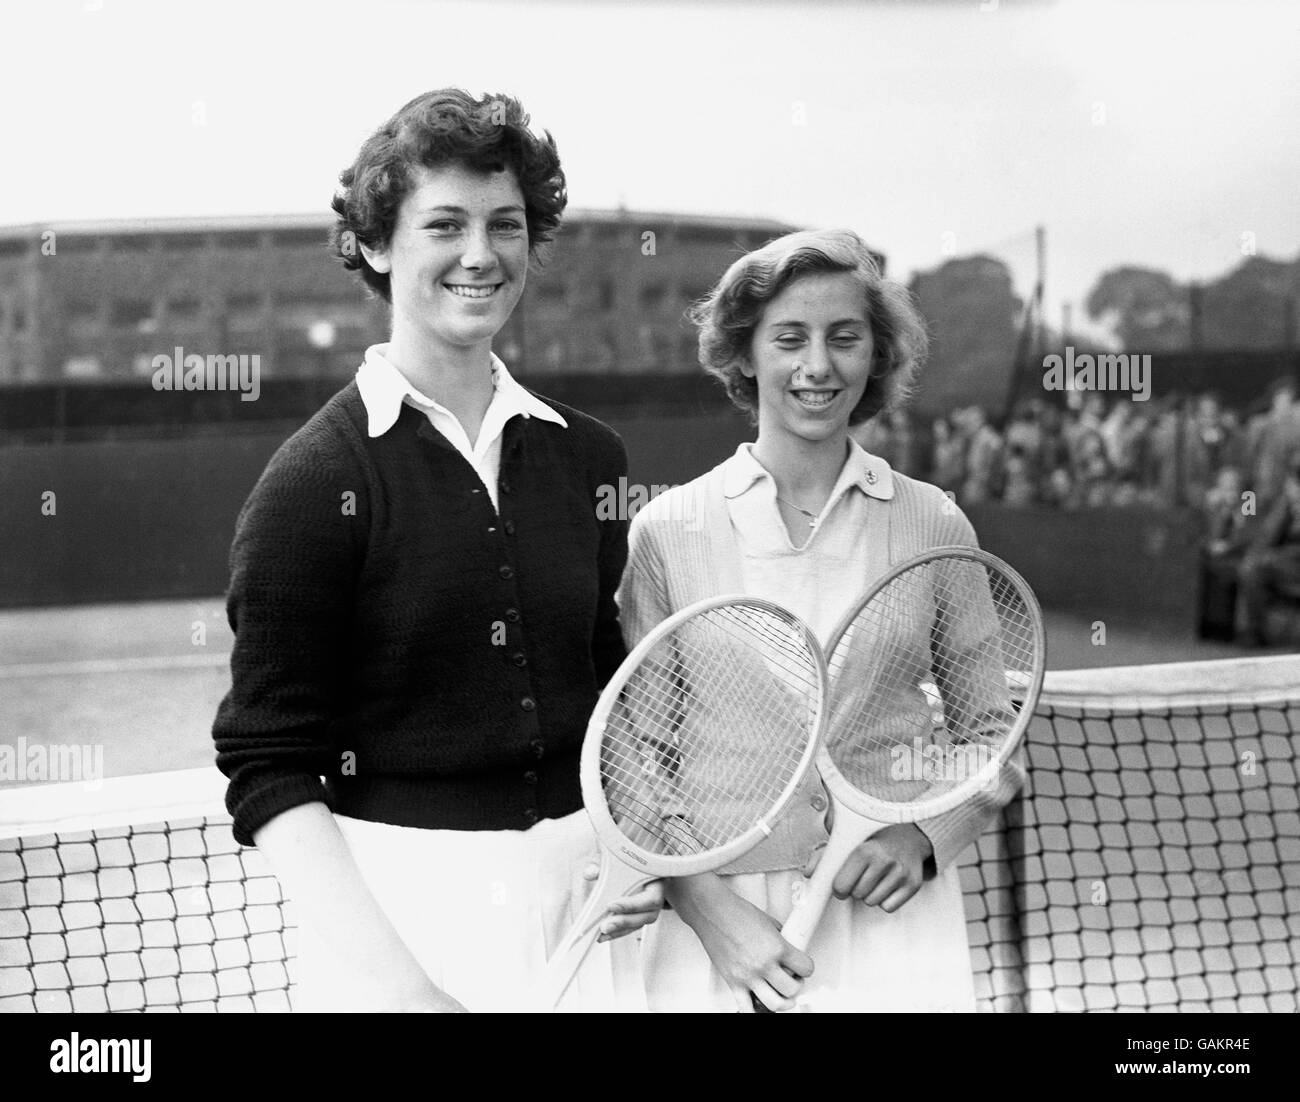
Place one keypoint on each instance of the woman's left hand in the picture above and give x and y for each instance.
(631, 912)
(886, 870)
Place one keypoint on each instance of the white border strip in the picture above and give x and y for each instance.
(117, 801)
(1230, 682)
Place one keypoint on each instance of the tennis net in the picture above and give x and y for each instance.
(1152, 863)
(132, 894)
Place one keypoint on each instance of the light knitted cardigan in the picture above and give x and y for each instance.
(682, 548)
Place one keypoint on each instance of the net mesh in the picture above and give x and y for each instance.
(920, 704)
(153, 916)
(710, 729)
(1153, 863)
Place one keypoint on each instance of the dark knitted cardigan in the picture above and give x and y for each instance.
(403, 651)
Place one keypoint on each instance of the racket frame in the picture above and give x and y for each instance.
(624, 866)
(1028, 689)
(859, 816)
(656, 865)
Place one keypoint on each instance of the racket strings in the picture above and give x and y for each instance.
(920, 697)
(671, 777)
(710, 729)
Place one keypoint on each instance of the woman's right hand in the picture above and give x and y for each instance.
(743, 942)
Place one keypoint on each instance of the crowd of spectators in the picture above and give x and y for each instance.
(1178, 450)
(1241, 473)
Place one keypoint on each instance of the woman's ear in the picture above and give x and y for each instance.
(378, 259)
(746, 368)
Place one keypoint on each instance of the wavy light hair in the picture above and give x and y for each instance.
(728, 316)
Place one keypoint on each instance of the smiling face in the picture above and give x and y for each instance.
(457, 257)
(811, 357)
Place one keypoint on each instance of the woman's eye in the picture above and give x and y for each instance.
(789, 340)
(443, 227)
(507, 225)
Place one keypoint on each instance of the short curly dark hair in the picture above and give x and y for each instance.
(439, 128)
(729, 314)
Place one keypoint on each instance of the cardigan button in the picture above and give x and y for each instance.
(528, 704)
(530, 777)
(519, 659)
(512, 615)
(530, 814)
(510, 528)
(506, 572)
(539, 747)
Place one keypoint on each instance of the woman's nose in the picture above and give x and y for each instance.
(479, 254)
(816, 363)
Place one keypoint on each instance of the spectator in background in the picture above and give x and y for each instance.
(1162, 452)
(1058, 489)
(1224, 543)
(1121, 433)
(1053, 453)
(1025, 434)
(1018, 490)
(1274, 440)
(1206, 446)
(1083, 421)
(983, 460)
(1212, 432)
(1270, 567)
(1235, 452)
(949, 468)
(905, 443)
(1092, 471)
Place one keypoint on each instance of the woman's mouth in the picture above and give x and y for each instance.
(815, 399)
(473, 290)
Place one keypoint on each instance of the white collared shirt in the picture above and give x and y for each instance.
(384, 389)
(823, 578)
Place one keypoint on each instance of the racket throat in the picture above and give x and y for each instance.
(616, 880)
(850, 832)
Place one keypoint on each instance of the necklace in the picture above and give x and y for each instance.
(812, 517)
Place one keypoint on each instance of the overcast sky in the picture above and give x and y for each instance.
(1155, 133)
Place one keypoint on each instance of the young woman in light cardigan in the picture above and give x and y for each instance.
(807, 336)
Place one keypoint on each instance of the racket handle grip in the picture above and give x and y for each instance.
(851, 831)
(802, 923)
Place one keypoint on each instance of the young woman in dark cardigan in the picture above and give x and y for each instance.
(422, 597)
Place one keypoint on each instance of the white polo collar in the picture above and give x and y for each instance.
(869, 473)
(384, 389)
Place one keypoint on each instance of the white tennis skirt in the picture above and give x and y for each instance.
(916, 959)
(482, 911)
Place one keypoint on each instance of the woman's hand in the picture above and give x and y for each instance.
(631, 912)
(743, 942)
(886, 870)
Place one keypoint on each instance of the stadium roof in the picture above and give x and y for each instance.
(254, 222)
